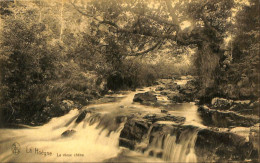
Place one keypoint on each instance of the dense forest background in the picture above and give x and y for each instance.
(57, 52)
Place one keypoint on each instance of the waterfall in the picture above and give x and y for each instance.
(177, 146)
(93, 139)
(93, 134)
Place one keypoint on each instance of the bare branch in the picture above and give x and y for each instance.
(109, 23)
(148, 50)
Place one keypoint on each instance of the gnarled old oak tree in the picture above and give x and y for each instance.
(136, 27)
(54, 50)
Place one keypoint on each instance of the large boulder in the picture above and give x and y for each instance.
(221, 103)
(222, 146)
(147, 97)
(218, 118)
(133, 132)
(176, 97)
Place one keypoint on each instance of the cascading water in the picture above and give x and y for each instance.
(92, 135)
(182, 151)
(93, 139)
(177, 146)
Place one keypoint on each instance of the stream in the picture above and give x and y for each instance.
(93, 134)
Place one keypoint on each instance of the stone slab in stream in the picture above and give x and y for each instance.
(147, 97)
(219, 118)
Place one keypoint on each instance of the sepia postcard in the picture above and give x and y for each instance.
(129, 81)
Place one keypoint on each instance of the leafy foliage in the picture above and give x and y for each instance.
(27, 65)
(241, 64)
(53, 51)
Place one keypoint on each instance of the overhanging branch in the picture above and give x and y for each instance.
(168, 35)
(148, 50)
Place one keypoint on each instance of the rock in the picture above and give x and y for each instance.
(191, 85)
(164, 111)
(150, 116)
(68, 133)
(145, 97)
(221, 146)
(218, 118)
(176, 119)
(164, 93)
(133, 132)
(165, 139)
(221, 103)
(159, 117)
(185, 93)
(159, 88)
(176, 97)
(210, 145)
(81, 116)
(244, 108)
(171, 86)
(127, 143)
(188, 94)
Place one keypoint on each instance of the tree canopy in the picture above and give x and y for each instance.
(78, 49)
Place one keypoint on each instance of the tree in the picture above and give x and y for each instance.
(27, 64)
(240, 75)
(139, 27)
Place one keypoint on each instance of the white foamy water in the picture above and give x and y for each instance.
(173, 147)
(183, 151)
(45, 144)
(96, 138)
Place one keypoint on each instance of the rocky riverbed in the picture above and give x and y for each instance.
(153, 124)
